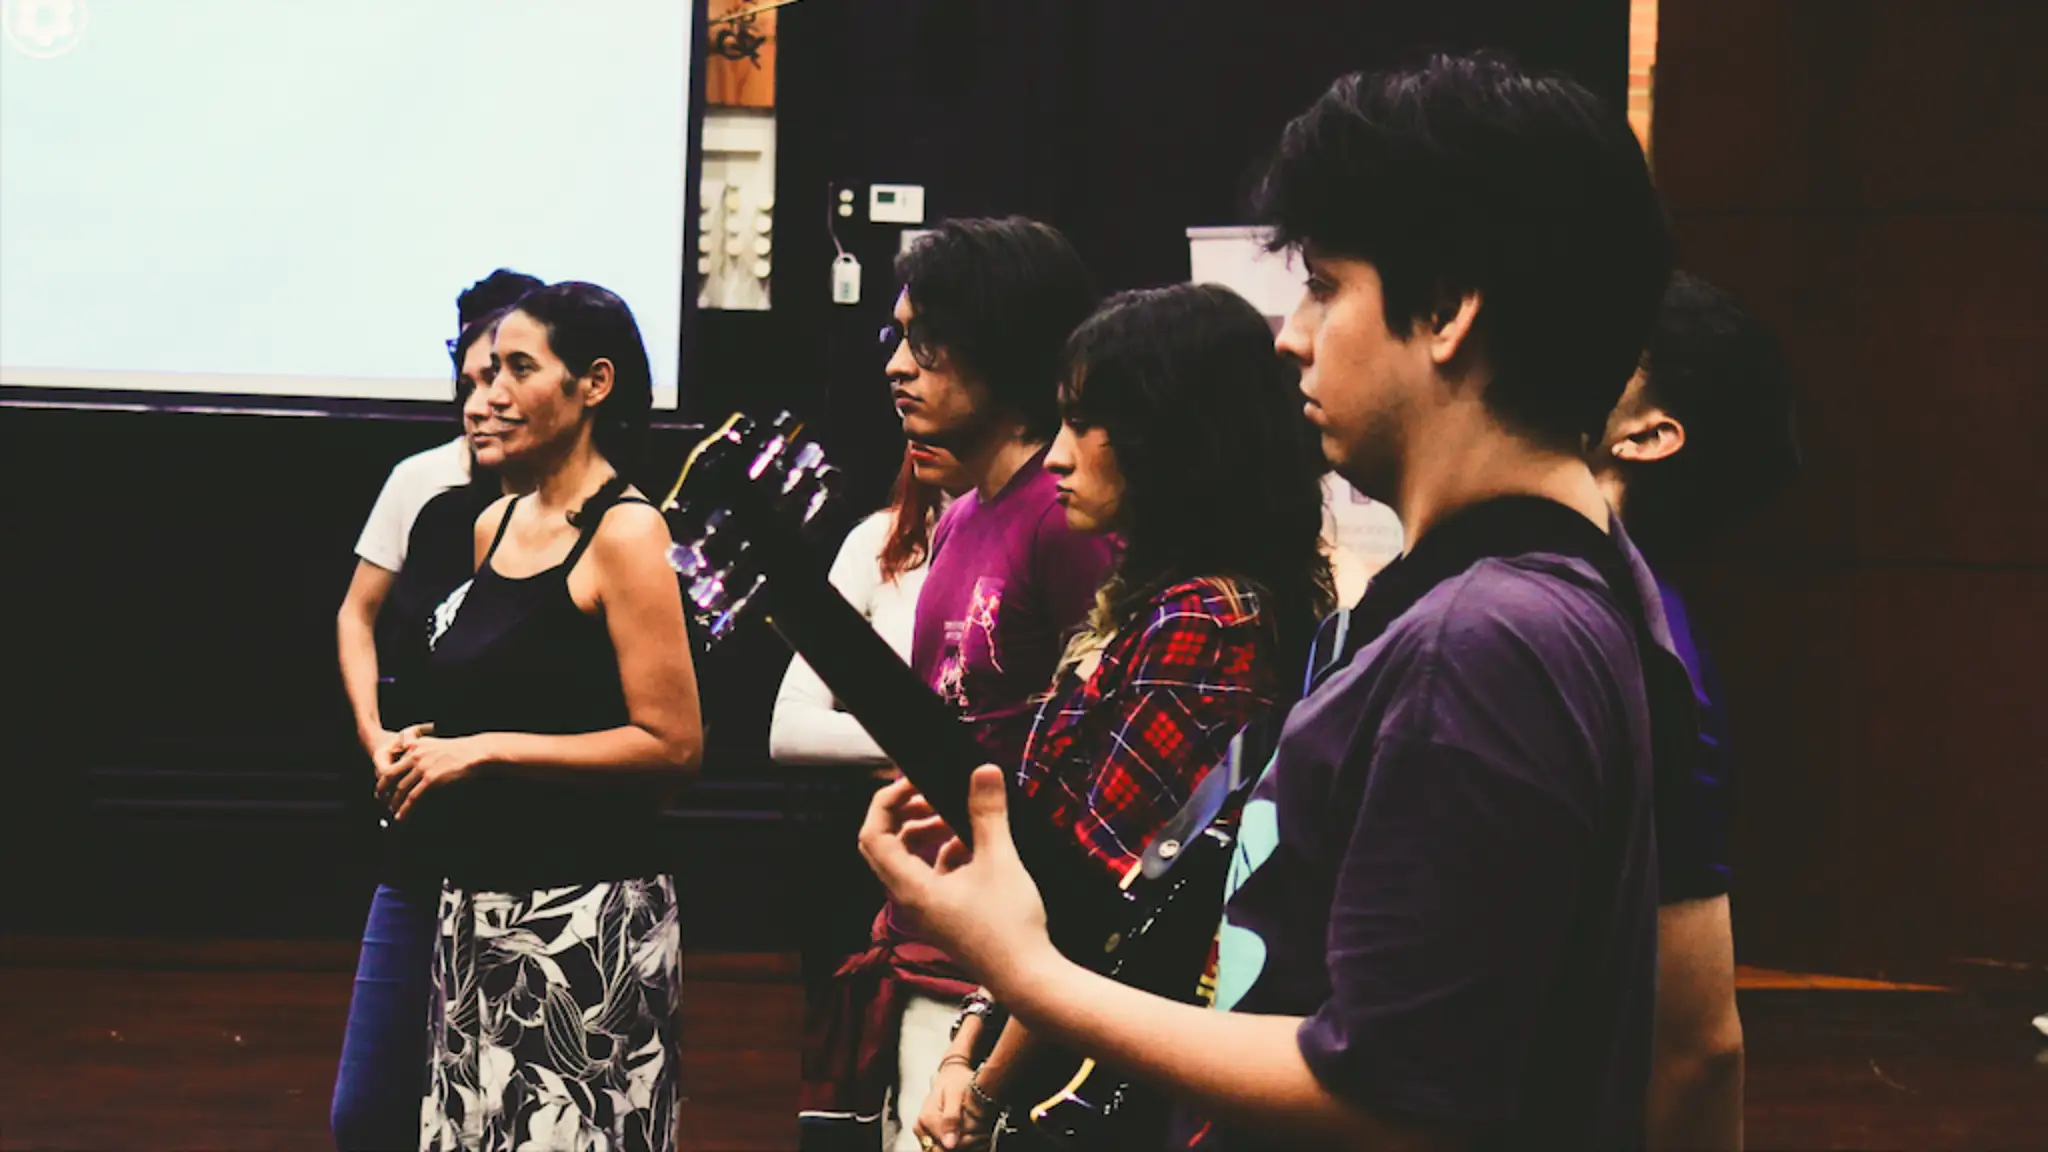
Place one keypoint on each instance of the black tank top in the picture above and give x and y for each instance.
(518, 655)
(440, 556)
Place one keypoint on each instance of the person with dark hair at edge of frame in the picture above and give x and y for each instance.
(414, 549)
(1703, 435)
(1440, 922)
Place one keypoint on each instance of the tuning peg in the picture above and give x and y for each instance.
(765, 458)
(742, 432)
(781, 431)
(702, 625)
(724, 621)
(715, 540)
(803, 467)
(827, 479)
(707, 591)
(717, 572)
(686, 559)
(706, 536)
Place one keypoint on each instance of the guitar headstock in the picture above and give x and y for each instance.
(744, 489)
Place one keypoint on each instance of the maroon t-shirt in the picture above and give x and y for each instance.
(1009, 583)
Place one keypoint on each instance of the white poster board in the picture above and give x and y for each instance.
(1359, 524)
(1236, 258)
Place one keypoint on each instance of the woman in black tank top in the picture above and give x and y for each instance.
(565, 712)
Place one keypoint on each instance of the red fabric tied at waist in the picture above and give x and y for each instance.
(851, 1028)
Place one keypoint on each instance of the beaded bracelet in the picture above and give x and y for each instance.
(988, 1103)
(977, 1003)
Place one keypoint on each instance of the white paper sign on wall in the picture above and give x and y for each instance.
(1361, 525)
(1236, 258)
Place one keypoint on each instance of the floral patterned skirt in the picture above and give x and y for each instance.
(553, 1022)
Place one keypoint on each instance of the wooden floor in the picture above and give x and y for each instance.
(231, 1049)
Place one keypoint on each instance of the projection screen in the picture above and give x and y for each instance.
(282, 198)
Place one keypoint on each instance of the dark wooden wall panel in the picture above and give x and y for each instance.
(1727, 73)
(1775, 635)
(1914, 339)
(1939, 776)
(1832, 105)
(1791, 272)
(1868, 176)
(1948, 387)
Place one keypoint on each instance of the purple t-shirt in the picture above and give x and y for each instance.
(1692, 816)
(1009, 582)
(1450, 868)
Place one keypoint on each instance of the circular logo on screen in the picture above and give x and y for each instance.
(42, 28)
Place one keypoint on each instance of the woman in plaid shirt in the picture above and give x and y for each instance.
(1183, 435)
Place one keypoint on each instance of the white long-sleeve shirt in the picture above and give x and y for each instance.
(807, 727)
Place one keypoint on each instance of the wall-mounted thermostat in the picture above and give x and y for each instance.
(896, 203)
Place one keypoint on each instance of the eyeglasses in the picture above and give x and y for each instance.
(923, 348)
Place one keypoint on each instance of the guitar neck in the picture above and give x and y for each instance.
(920, 733)
(925, 738)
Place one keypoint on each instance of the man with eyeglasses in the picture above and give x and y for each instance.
(985, 311)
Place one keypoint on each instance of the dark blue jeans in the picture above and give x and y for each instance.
(383, 1073)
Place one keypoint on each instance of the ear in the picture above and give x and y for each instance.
(1652, 434)
(597, 383)
(1450, 330)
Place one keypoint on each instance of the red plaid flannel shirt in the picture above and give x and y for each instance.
(1114, 757)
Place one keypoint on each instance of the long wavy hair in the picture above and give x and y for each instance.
(1222, 480)
(914, 505)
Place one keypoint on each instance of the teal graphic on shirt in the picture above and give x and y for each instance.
(1240, 952)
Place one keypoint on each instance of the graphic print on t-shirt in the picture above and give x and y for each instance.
(444, 613)
(971, 642)
(1241, 952)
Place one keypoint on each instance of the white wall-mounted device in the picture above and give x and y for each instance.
(896, 203)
